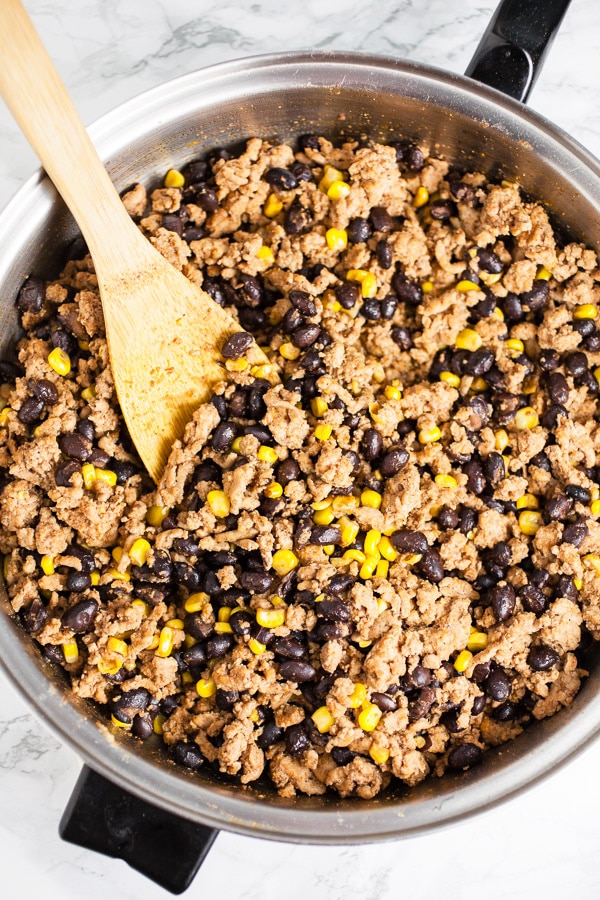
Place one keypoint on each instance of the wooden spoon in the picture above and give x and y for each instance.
(164, 333)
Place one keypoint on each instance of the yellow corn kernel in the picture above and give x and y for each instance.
(83, 345)
(109, 668)
(357, 555)
(206, 687)
(218, 503)
(420, 742)
(328, 549)
(196, 602)
(265, 253)
(174, 179)
(369, 716)
(288, 351)
(47, 564)
(498, 314)
(88, 393)
(371, 499)
(421, 197)
(450, 378)
(138, 552)
(337, 239)
(528, 501)
(329, 177)
(323, 432)
(379, 755)
(157, 725)
(374, 410)
(343, 504)
(333, 305)
(322, 719)
(320, 504)
(468, 339)
(578, 582)
(187, 678)
(592, 561)
(118, 722)
(59, 361)
(596, 376)
(387, 549)
(120, 576)
(273, 490)
(266, 454)
(95, 578)
(284, 561)
(107, 476)
(501, 440)
(4, 415)
(462, 660)
(256, 647)
(223, 628)
(156, 515)
(324, 516)
(515, 346)
(595, 508)
(273, 206)
(383, 568)
(236, 365)
(526, 418)
(477, 641)
(88, 472)
(70, 651)
(117, 554)
(586, 311)
(175, 624)
(236, 445)
(264, 371)
(543, 274)
(392, 393)
(224, 614)
(349, 531)
(141, 604)
(270, 618)
(466, 285)
(367, 569)
(490, 278)
(429, 435)
(318, 406)
(255, 716)
(529, 521)
(358, 696)
(154, 642)
(446, 481)
(337, 190)
(165, 642)
(116, 645)
(372, 542)
(427, 286)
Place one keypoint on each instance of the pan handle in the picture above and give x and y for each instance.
(103, 817)
(511, 53)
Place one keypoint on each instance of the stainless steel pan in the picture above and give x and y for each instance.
(120, 803)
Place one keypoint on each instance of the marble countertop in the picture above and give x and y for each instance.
(543, 844)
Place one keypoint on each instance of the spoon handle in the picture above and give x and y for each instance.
(38, 100)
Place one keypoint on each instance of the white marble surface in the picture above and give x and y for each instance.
(544, 844)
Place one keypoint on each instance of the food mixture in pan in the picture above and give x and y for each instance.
(372, 558)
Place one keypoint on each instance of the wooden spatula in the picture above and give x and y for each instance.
(164, 333)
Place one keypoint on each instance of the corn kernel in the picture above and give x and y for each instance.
(592, 561)
(175, 623)
(490, 278)
(284, 561)
(236, 365)
(109, 668)
(392, 393)
(328, 549)
(528, 501)
(273, 206)
(322, 719)
(466, 285)
(387, 549)
(427, 287)
(372, 542)
(4, 415)
(83, 345)
(450, 378)
(59, 361)
(369, 716)
(270, 618)
(462, 660)
(264, 371)
(107, 476)
(324, 516)
(578, 582)
(255, 716)
(118, 722)
(498, 314)
(595, 508)
(329, 177)
(529, 521)
(337, 239)
(358, 696)
(273, 490)
(446, 481)
(119, 576)
(501, 440)
(349, 531)
(157, 725)
(596, 376)
(88, 472)
(256, 647)
(218, 503)
(333, 305)
(223, 628)
(266, 454)
(468, 339)
(141, 604)
(165, 642)
(196, 602)
(478, 640)
(526, 418)
(320, 504)
(138, 552)
(420, 742)
(156, 515)
(288, 351)
(116, 645)
(266, 253)
(318, 406)
(383, 568)
(344, 504)
(323, 432)
(367, 569)
(429, 435)
(206, 687)
(357, 555)
(371, 498)
(70, 651)
(515, 346)
(379, 755)
(421, 197)
(174, 179)
(337, 190)
(543, 274)
(374, 410)
(95, 578)
(88, 393)
(47, 564)
(586, 311)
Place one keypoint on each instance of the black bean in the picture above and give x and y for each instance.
(282, 179)
(533, 599)
(34, 616)
(558, 388)
(493, 468)
(409, 154)
(296, 741)
(223, 436)
(99, 458)
(330, 631)
(385, 703)
(479, 362)
(420, 677)
(187, 754)
(407, 541)
(481, 672)
(325, 534)
(483, 309)
(256, 582)
(371, 309)
(489, 261)
(588, 380)
(592, 343)
(333, 610)
(498, 685)
(297, 218)
(578, 493)
(124, 470)
(402, 337)
(44, 390)
(478, 705)
(548, 360)
(206, 199)
(565, 587)
(131, 702)
(393, 462)
(541, 658)
(550, 417)
(506, 712)
(537, 297)
(442, 210)
(218, 645)
(503, 601)
(575, 533)
(467, 520)
(301, 301)
(383, 252)
(576, 363)
(194, 656)
(142, 727)
(173, 223)
(241, 622)
(505, 406)
(584, 327)
(420, 707)
(447, 519)
(340, 583)
(305, 336)
(381, 219)
(75, 446)
(388, 307)
(512, 308)
(80, 618)
(31, 296)
(30, 411)
(432, 566)
(372, 444)
(557, 509)
(85, 557)
(236, 345)
(540, 577)
(407, 290)
(342, 756)
(65, 472)
(289, 648)
(9, 371)
(301, 171)
(449, 720)
(359, 231)
(292, 319)
(475, 477)
(226, 700)
(462, 191)
(297, 670)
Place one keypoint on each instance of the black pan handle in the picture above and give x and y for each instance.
(103, 817)
(511, 53)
